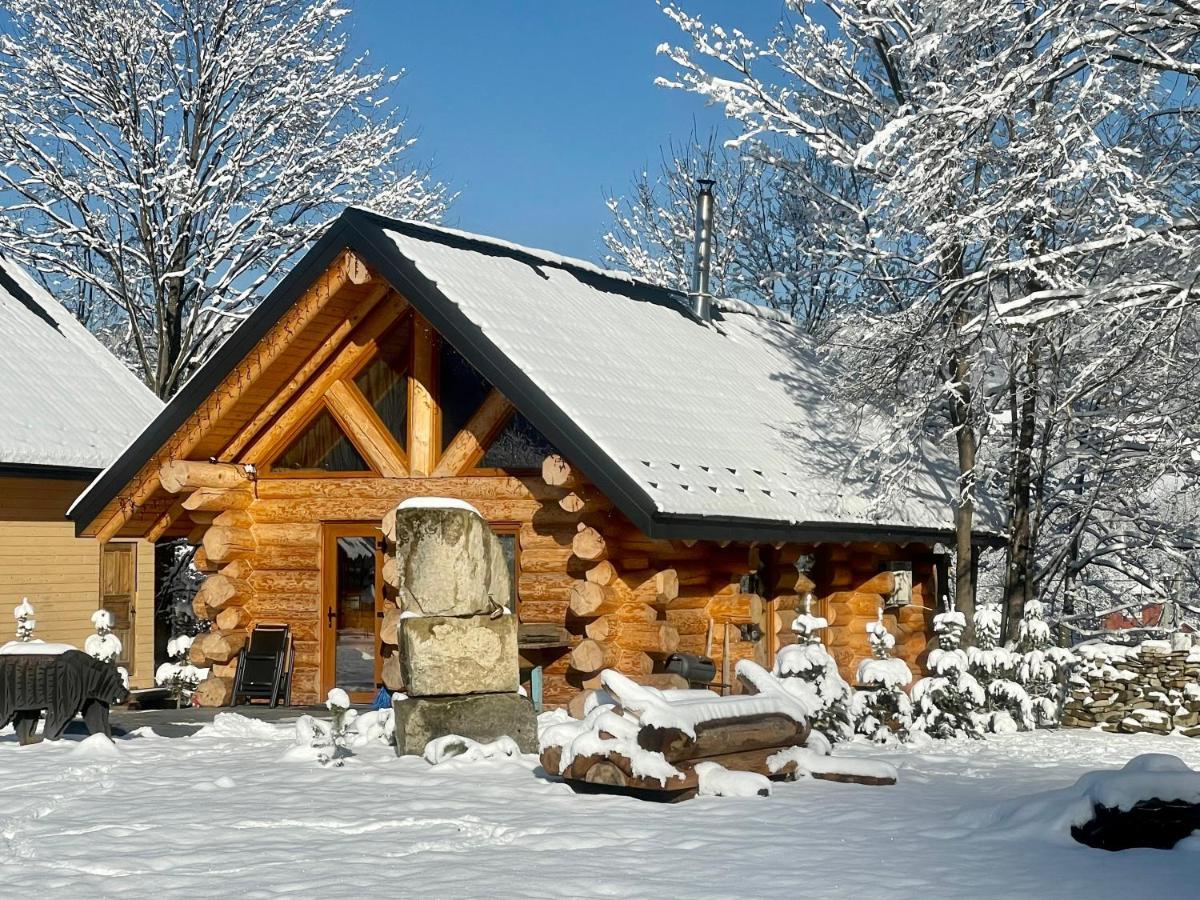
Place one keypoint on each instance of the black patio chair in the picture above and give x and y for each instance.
(264, 669)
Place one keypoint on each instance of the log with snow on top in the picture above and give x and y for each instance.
(673, 744)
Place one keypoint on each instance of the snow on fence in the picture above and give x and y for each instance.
(1150, 687)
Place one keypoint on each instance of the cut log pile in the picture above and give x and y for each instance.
(654, 743)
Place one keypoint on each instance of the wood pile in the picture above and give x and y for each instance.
(624, 750)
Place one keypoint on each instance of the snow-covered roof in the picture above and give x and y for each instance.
(722, 430)
(65, 401)
(727, 420)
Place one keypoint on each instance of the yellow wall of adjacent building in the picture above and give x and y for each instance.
(40, 558)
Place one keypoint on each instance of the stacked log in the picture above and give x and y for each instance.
(217, 496)
(851, 583)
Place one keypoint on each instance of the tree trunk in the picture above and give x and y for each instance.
(1018, 581)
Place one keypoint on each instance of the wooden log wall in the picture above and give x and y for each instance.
(849, 583)
(628, 602)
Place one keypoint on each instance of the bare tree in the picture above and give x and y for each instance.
(997, 161)
(162, 160)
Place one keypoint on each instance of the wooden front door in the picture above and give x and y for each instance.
(351, 609)
(118, 587)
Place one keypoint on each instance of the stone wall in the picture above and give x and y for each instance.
(1151, 687)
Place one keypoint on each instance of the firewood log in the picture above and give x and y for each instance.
(719, 738)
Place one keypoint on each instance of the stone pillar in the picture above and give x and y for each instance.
(457, 637)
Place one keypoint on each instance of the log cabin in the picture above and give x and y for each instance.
(664, 482)
(67, 409)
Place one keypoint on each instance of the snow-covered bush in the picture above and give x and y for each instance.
(948, 702)
(881, 708)
(1006, 705)
(179, 676)
(1042, 666)
(325, 742)
(23, 613)
(809, 661)
(103, 645)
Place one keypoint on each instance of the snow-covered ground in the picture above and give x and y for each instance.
(221, 812)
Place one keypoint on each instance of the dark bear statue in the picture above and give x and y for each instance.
(62, 684)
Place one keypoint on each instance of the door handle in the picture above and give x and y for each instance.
(329, 616)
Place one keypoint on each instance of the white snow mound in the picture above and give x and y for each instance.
(1050, 815)
(452, 746)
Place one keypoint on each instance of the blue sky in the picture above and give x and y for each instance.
(536, 109)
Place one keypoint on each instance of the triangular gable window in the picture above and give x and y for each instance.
(518, 446)
(321, 447)
(384, 382)
(462, 391)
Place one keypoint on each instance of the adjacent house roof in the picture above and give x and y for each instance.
(721, 430)
(66, 403)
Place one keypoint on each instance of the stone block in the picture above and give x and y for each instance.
(449, 563)
(480, 717)
(471, 655)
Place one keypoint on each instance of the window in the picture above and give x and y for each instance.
(322, 446)
(518, 446)
(384, 383)
(462, 389)
(508, 542)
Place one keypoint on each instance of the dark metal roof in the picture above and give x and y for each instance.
(363, 232)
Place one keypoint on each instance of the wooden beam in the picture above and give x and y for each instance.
(347, 269)
(381, 293)
(364, 429)
(464, 452)
(349, 358)
(423, 415)
(163, 522)
(176, 475)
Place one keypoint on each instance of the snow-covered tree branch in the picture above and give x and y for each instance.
(163, 160)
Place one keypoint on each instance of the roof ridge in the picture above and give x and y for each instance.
(530, 255)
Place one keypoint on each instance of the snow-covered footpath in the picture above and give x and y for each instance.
(223, 813)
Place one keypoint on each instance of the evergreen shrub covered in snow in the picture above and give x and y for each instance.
(23, 613)
(178, 675)
(810, 662)
(948, 701)
(1006, 705)
(1042, 667)
(881, 707)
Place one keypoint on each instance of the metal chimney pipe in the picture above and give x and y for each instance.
(702, 266)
